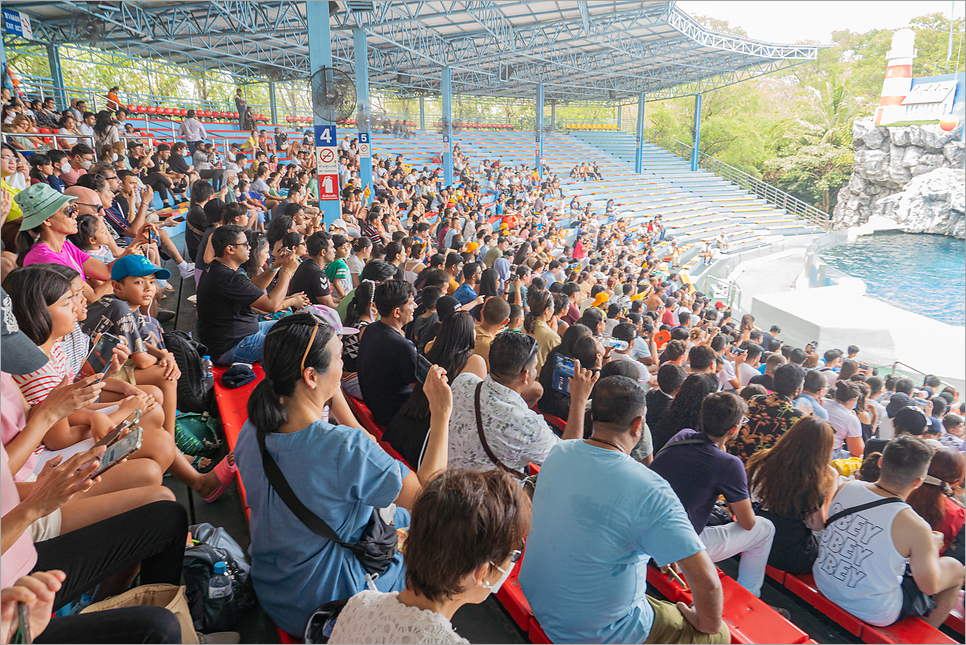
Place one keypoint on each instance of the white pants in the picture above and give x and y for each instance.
(754, 546)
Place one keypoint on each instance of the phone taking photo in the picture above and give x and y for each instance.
(422, 368)
(100, 357)
(563, 371)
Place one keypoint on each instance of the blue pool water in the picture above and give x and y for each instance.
(925, 274)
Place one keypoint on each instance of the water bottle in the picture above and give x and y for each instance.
(220, 584)
(619, 345)
(208, 367)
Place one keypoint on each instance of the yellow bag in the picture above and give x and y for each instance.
(846, 467)
(170, 597)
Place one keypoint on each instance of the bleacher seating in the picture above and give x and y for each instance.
(908, 630)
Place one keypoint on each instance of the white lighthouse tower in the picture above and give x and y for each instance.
(898, 78)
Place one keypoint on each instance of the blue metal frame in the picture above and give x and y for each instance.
(56, 72)
(578, 53)
(422, 113)
(362, 102)
(696, 147)
(447, 85)
(320, 54)
(639, 150)
(538, 130)
(272, 102)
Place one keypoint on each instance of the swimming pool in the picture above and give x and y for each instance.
(925, 274)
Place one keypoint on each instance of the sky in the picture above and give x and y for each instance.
(792, 21)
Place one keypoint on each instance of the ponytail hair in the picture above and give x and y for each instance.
(285, 345)
(25, 241)
(361, 302)
(539, 300)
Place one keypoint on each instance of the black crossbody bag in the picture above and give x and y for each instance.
(374, 550)
(529, 481)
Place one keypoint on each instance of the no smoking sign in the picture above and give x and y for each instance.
(328, 164)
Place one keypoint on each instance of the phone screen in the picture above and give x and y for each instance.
(114, 434)
(422, 368)
(179, 219)
(121, 449)
(563, 371)
(100, 357)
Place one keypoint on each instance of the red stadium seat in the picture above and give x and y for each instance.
(152, 110)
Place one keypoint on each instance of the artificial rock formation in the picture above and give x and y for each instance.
(887, 160)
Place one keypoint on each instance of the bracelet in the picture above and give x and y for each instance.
(288, 272)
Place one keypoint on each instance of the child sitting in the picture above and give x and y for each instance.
(123, 313)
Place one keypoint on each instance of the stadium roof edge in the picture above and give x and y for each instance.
(580, 51)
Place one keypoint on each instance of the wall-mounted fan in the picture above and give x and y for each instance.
(333, 95)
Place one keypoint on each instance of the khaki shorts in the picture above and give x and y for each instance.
(670, 626)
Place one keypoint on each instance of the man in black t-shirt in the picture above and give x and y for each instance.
(226, 321)
(386, 360)
(310, 277)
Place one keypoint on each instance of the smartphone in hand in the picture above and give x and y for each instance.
(423, 366)
(119, 451)
(99, 360)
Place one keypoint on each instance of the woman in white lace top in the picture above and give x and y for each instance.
(467, 532)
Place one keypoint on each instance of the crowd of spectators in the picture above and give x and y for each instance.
(487, 325)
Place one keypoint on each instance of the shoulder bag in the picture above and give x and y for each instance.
(529, 482)
(376, 548)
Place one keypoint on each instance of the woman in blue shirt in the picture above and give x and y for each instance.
(339, 472)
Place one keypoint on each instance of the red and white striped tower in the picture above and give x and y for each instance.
(898, 78)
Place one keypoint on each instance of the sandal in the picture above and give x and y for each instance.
(207, 468)
(225, 471)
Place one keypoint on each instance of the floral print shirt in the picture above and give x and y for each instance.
(769, 417)
(516, 434)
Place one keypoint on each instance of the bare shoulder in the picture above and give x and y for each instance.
(910, 532)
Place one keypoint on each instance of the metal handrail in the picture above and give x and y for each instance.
(917, 371)
(743, 180)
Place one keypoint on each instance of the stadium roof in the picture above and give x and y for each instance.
(580, 51)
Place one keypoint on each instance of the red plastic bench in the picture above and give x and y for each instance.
(365, 417)
(233, 406)
(908, 630)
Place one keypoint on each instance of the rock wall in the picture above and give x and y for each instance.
(887, 160)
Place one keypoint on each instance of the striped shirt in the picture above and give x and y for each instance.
(37, 385)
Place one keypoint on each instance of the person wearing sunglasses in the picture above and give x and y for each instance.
(48, 219)
(488, 515)
(227, 321)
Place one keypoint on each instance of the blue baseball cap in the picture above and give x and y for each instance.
(136, 265)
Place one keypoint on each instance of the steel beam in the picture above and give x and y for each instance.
(696, 147)
(447, 86)
(57, 74)
(538, 130)
(320, 55)
(422, 113)
(639, 149)
(363, 110)
(272, 104)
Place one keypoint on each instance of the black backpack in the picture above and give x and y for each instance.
(194, 393)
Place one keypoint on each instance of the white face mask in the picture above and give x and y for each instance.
(86, 165)
(65, 167)
(495, 587)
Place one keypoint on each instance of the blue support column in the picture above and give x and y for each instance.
(57, 74)
(320, 55)
(538, 130)
(362, 105)
(696, 147)
(272, 104)
(553, 116)
(639, 150)
(447, 87)
(619, 117)
(422, 113)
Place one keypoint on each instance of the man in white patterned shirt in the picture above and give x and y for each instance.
(515, 434)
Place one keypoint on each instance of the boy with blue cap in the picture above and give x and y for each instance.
(124, 314)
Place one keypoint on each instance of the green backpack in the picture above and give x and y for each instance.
(196, 433)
